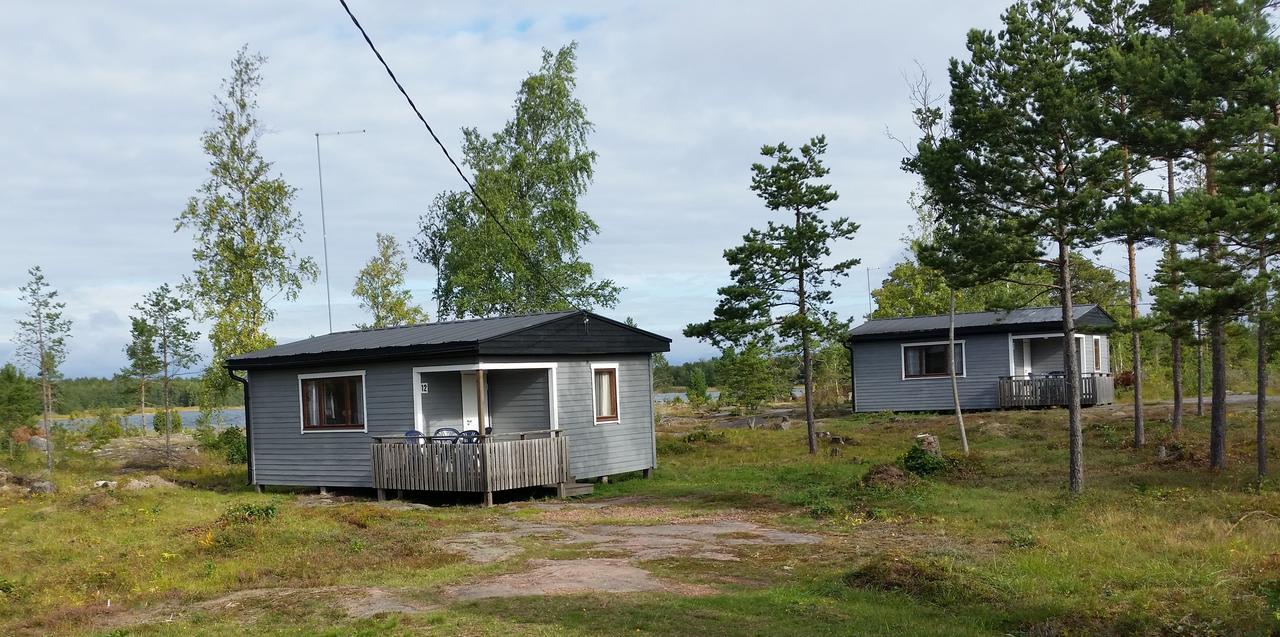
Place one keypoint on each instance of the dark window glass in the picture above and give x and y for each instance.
(333, 403)
(919, 361)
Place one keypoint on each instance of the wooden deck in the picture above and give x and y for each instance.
(1051, 391)
(491, 463)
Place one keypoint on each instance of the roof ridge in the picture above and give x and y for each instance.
(454, 321)
(1016, 309)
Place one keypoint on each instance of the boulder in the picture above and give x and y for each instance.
(929, 443)
(885, 476)
(105, 484)
(149, 482)
(783, 424)
(42, 486)
(13, 489)
(36, 443)
(6, 476)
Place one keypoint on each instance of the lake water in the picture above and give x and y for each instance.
(666, 397)
(231, 417)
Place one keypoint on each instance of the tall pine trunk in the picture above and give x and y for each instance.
(806, 350)
(1175, 341)
(1263, 307)
(1139, 424)
(1139, 421)
(1075, 435)
(955, 385)
(1217, 348)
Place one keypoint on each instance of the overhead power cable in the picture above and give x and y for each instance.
(532, 263)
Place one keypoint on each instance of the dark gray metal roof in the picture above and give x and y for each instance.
(446, 336)
(972, 322)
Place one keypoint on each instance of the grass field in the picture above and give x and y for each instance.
(990, 546)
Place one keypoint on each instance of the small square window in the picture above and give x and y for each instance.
(605, 388)
(334, 402)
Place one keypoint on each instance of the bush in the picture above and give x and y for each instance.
(233, 445)
(171, 421)
(248, 513)
(921, 462)
(703, 433)
(106, 426)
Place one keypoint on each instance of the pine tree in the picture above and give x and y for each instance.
(782, 281)
(174, 342)
(143, 362)
(42, 343)
(1021, 177)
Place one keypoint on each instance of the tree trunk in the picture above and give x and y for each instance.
(1075, 435)
(142, 405)
(1262, 371)
(805, 350)
(1175, 341)
(168, 415)
(1199, 369)
(955, 386)
(1139, 424)
(1217, 349)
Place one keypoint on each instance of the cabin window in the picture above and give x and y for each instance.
(605, 393)
(929, 360)
(332, 402)
(1097, 354)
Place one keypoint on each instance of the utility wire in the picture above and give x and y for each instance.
(467, 180)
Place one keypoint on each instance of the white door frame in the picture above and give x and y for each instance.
(416, 385)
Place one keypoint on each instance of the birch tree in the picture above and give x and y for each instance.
(245, 228)
(380, 288)
(174, 346)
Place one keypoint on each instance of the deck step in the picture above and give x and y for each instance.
(572, 489)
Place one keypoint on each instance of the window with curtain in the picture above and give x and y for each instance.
(605, 382)
(924, 361)
(335, 402)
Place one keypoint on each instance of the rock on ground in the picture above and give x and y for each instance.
(148, 482)
(569, 577)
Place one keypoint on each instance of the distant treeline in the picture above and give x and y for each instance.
(84, 394)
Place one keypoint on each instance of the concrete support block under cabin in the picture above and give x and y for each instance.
(647, 473)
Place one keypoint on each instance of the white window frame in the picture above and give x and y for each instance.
(617, 393)
(964, 359)
(553, 390)
(364, 403)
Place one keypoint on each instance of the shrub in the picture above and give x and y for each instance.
(921, 462)
(248, 513)
(106, 426)
(171, 421)
(703, 433)
(233, 445)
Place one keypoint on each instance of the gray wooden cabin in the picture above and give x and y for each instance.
(1004, 360)
(476, 405)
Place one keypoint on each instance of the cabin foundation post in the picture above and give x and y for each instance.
(647, 473)
(324, 490)
(257, 488)
(382, 495)
(604, 479)
(488, 498)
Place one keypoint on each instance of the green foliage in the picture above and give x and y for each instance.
(167, 422)
(19, 399)
(680, 374)
(705, 434)
(696, 390)
(106, 426)
(248, 513)
(531, 174)
(245, 230)
(771, 265)
(234, 445)
(921, 462)
(749, 377)
(380, 288)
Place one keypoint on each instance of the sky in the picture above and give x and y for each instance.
(105, 104)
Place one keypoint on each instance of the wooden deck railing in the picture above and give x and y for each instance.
(491, 463)
(1051, 391)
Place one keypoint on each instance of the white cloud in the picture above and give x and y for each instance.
(105, 103)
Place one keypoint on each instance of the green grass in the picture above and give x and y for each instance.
(993, 545)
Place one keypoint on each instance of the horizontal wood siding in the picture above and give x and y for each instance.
(518, 400)
(442, 404)
(283, 455)
(879, 386)
(607, 448)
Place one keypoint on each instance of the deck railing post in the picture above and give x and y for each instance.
(485, 479)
